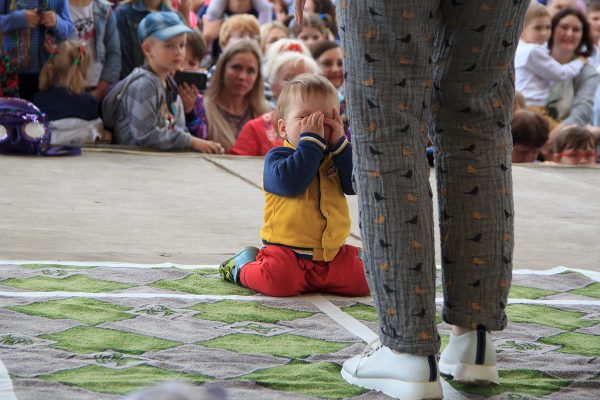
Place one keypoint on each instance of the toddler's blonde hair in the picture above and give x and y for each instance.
(303, 86)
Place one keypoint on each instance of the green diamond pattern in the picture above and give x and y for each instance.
(230, 311)
(73, 283)
(522, 381)
(592, 290)
(575, 343)
(118, 381)
(524, 292)
(364, 312)
(200, 284)
(87, 311)
(284, 345)
(321, 380)
(548, 316)
(84, 339)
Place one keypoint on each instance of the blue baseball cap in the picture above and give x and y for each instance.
(163, 25)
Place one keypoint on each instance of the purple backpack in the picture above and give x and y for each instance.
(24, 130)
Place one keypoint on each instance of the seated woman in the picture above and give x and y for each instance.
(258, 136)
(572, 101)
(235, 94)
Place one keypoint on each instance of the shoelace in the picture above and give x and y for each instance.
(371, 348)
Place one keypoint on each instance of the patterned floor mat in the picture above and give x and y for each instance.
(99, 332)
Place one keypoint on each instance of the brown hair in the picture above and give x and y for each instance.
(529, 128)
(324, 46)
(303, 86)
(196, 44)
(593, 6)
(69, 66)
(314, 21)
(218, 128)
(576, 138)
(246, 23)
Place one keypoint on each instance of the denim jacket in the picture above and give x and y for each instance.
(108, 47)
(26, 46)
(128, 17)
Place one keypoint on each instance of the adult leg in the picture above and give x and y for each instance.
(388, 47)
(471, 114)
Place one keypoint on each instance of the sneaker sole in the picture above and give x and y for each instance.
(473, 374)
(398, 389)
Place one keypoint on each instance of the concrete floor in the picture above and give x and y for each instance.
(194, 209)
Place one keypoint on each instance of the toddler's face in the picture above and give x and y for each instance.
(538, 30)
(289, 127)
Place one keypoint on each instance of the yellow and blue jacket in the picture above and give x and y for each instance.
(305, 206)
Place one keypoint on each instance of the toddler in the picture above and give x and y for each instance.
(535, 69)
(306, 217)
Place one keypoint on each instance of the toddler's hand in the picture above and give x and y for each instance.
(48, 19)
(313, 124)
(188, 96)
(32, 17)
(337, 128)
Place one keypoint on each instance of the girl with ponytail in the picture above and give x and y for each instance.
(72, 112)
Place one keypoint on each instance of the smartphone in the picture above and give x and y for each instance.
(197, 79)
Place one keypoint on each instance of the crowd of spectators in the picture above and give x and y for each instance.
(67, 55)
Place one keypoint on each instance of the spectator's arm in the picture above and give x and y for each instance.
(585, 86)
(64, 28)
(210, 29)
(13, 20)
(543, 64)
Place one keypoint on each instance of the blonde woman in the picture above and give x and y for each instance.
(235, 94)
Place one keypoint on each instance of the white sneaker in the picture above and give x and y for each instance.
(399, 375)
(471, 358)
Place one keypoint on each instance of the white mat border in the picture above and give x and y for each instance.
(594, 275)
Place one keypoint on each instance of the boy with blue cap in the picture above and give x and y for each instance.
(149, 111)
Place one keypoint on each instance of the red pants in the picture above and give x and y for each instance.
(279, 272)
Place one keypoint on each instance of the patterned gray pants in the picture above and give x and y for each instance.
(441, 69)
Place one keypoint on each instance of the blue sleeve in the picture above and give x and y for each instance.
(112, 63)
(64, 28)
(342, 158)
(13, 20)
(288, 172)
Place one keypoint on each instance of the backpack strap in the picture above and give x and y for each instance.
(59, 151)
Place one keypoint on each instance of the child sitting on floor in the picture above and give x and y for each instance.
(150, 112)
(306, 217)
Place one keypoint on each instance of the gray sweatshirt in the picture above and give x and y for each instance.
(145, 119)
